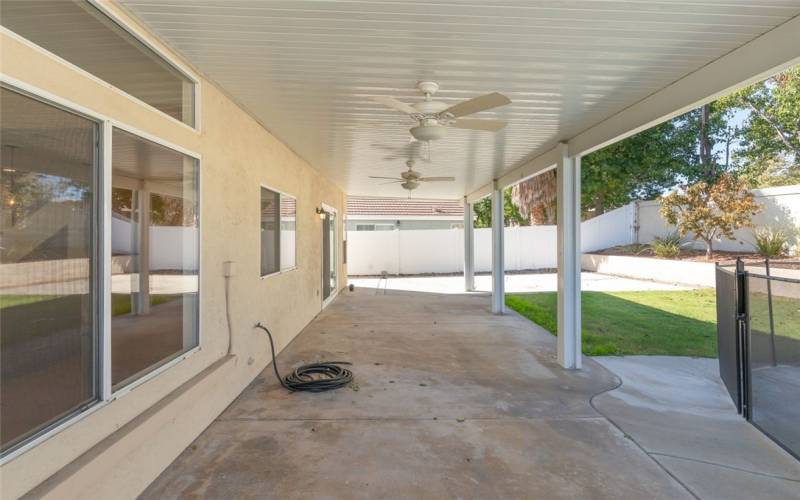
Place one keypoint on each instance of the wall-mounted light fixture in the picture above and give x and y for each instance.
(321, 212)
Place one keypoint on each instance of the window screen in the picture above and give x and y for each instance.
(48, 332)
(84, 36)
(278, 231)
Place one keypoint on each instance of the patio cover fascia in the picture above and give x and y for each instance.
(768, 54)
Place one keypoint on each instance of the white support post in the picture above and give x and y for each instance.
(498, 249)
(104, 269)
(469, 248)
(142, 297)
(569, 259)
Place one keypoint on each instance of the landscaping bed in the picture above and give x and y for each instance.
(693, 255)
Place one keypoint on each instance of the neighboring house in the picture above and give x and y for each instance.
(366, 213)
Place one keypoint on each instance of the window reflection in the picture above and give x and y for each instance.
(270, 236)
(154, 233)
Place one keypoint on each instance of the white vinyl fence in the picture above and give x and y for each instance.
(534, 247)
(171, 247)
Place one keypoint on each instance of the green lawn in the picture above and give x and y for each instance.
(668, 323)
(21, 300)
(785, 315)
(120, 303)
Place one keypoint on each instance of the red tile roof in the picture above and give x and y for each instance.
(366, 205)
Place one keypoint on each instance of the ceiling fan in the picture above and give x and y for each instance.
(435, 116)
(410, 179)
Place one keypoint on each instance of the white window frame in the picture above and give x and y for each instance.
(142, 38)
(281, 194)
(335, 291)
(105, 394)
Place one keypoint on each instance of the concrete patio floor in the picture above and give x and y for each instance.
(450, 402)
(678, 410)
(515, 283)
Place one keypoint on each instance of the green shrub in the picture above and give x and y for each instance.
(770, 241)
(667, 247)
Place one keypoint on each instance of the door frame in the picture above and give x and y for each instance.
(335, 290)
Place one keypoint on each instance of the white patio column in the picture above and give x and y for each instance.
(569, 259)
(498, 249)
(142, 295)
(469, 248)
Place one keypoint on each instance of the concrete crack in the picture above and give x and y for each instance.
(725, 466)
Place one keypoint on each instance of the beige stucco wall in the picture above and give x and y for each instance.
(118, 449)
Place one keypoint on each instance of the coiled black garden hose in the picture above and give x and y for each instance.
(331, 374)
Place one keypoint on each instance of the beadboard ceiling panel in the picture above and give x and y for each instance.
(307, 69)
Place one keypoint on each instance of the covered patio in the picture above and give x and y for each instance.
(572, 78)
(451, 401)
(277, 111)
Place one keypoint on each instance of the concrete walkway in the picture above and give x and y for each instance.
(678, 411)
(451, 402)
(515, 283)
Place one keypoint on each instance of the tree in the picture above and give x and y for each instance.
(640, 167)
(511, 215)
(708, 211)
(770, 137)
(536, 199)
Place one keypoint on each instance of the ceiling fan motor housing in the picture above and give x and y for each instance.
(430, 107)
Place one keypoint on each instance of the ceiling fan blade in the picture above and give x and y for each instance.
(393, 103)
(481, 103)
(436, 179)
(378, 177)
(476, 124)
(390, 182)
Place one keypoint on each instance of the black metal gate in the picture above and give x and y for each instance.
(728, 333)
(758, 333)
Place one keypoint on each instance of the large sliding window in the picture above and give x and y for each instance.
(278, 231)
(155, 248)
(81, 34)
(60, 290)
(48, 255)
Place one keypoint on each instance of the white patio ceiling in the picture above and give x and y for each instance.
(306, 69)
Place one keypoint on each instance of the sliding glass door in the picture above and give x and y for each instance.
(48, 294)
(329, 278)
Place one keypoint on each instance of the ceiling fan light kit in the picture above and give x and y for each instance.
(428, 131)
